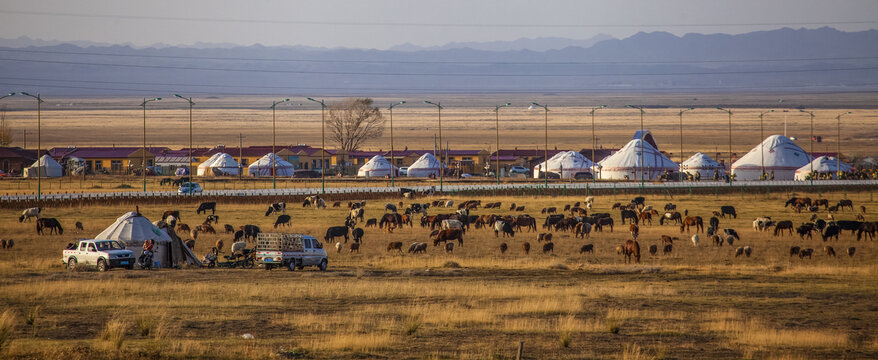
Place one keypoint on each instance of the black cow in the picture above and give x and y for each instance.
(639, 201)
(206, 206)
(282, 220)
(336, 231)
(276, 208)
(728, 210)
(250, 231)
(849, 225)
(358, 234)
(714, 222)
(831, 231)
(629, 214)
(732, 232)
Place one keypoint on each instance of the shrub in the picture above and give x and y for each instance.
(114, 333)
(7, 327)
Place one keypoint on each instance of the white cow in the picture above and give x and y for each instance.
(695, 240)
(452, 224)
(26, 214)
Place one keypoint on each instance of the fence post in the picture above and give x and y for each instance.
(520, 350)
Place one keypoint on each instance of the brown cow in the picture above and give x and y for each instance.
(394, 245)
(548, 247)
(355, 246)
(547, 237)
(205, 228)
(229, 229)
(667, 240)
(806, 252)
(526, 248)
(181, 227)
(520, 208)
(449, 234)
(336, 204)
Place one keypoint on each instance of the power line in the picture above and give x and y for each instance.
(604, 62)
(275, 71)
(419, 24)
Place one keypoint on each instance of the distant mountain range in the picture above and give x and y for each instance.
(795, 60)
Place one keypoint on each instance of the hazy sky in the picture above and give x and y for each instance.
(382, 24)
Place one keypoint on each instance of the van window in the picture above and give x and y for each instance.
(82, 247)
(307, 243)
(317, 244)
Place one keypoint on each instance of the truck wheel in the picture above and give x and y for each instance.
(266, 266)
(292, 265)
(102, 265)
(71, 264)
(129, 267)
(322, 265)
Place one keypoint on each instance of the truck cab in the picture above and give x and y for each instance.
(101, 254)
(292, 251)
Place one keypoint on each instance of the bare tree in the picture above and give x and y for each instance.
(5, 130)
(353, 122)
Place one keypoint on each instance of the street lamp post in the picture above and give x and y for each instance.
(642, 146)
(39, 140)
(593, 143)
(838, 145)
(546, 150)
(730, 142)
(497, 113)
(681, 139)
(762, 141)
(191, 104)
(392, 175)
(810, 146)
(441, 169)
(323, 144)
(143, 155)
(274, 105)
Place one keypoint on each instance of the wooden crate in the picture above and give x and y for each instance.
(279, 242)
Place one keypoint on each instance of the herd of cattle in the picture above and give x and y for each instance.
(452, 225)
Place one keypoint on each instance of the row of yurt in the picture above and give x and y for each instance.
(427, 165)
(780, 156)
(702, 165)
(264, 166)
(220, 164)
(132, 229)
(824, 165)
(377, 166)
(46, 166)
(566, 164)
(625, 163)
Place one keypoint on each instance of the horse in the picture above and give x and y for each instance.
(206, 206)
(631, 248)
(51, 224)
(692, 221)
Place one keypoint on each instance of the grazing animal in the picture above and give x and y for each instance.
(718, 241)
(51, 224)
(219, 245)
(394, 245)
(670, 207)
(512, 207)
(692, 221)
(503, 248)
(653, 249)
(805, 229)
(849, 225)
(389, 207)
(276, 208)
(743, 250)
(695, 240)
(863, 209)
(206, 206)
(238, 247)
(730, 240)
(830, 231)
(357, 214)
(829, 251)
(190, 244)
(868, 228)
(250, 231)
(668, 240)
(29, 213)
(629, 214)
(582, 230)
(667, 249)
(519, 208)
(355, 246)
(526, 248)
(211, 219)
(205, 228)
(372, 222)
(732, 232)
(447, 235)
(728, 210)
(806, 252)
(229, 229)
(845, 203)
(714, 222)
(79, 227)
(183, 227)
(547, 237)
(449, 248)
(336, 231)
(452, 224)
(783, 225)
(282, 220)
(239, 235)
(194, 233)
(548, 247)
(634, 230)
(632, 249)
(504, 227)
(587, 248)
(358, 234)
(601, 222)
(10, 243)
(671, 216)
(338, 247)
(337, 204)
(794, 250)
(589, 199)
(851, 250)
(3, 244)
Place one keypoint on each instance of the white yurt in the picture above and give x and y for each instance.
(132, 229)
(702, 164)
(220, 164)
(781, 155)
(377, 166)
(566, 164)
(46, 166)
(823, 165)
(625, 163)
(425, 166)
(263, 166)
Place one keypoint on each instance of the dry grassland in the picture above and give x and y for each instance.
(697, 302)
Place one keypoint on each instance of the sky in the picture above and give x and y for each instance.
(383, 24)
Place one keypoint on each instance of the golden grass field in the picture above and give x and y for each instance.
(698, 302)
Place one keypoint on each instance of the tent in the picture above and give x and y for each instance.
(220, 164)
(702, 164)
(824, 165)
(46, 166)
(625, 163)
(132, 229)
(425, 166)
(566, 164)
(781, 155)
(263, 166)
(377, 166)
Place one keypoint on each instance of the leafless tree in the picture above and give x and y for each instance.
(352, 122)
(5, 130)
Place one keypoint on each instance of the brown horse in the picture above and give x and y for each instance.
(631, 248)
(692, 221)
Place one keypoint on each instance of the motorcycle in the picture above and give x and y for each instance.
(145, 260)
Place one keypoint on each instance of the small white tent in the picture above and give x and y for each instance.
(823, 165)
(781, 155)
(220, 164)
(566, 164)
(263, 166)
(132, 229)
(377, 166)
(425, 166)
(625, 163)
(46, 166)
(702, 164)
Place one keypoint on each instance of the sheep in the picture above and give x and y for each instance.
(355, 246)
(190, 244)
(718, 241)
(548, 247)
(587, 248)
(194, 233)
(667, 249)
(413, 246)
(695, 240)
(748, 250)
(730, 240)
(806, 252)
(829, 251)
(10, 243)
(526, 248)
(794, 250)
(503, 248)
(238, 247)
(653, 249)
(547, 237)
(338, 247)
(743, 250)
(229, 229)
(219, 246)
(851, 250)
(3, 243)
(589, 200)
(449, 248)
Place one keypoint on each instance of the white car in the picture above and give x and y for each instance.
(189, 188)
(102, 254)
(404, 171)
(518, 170)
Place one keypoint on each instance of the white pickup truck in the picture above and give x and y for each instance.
(292, 251)
(102, 254)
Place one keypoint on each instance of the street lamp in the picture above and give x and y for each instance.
(441, 170)
(681, 139)
(838, 145)
(497, 113)
(323, 150)
(143, 155)
(191, 104)
(546, 155)
(762, 141)
(642, 146)
(274, 105)
(593, 143)
(39, 144)
(811, 146)
(730, 142)
(392, 175)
